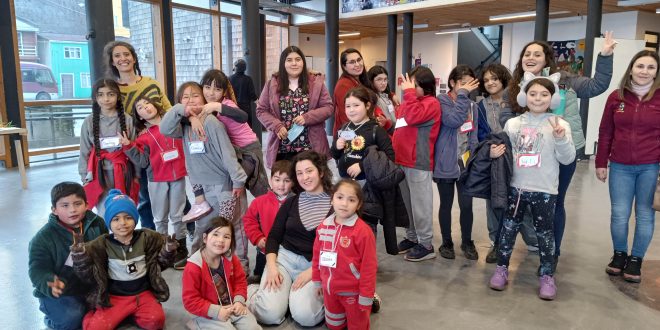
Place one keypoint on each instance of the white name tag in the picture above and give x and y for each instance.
(196, 147)
(467, 126)
(390, 108)
(347, 135)
(529, 160)
(69, 261)
(110, 142)
(401, 122)
(328, 259)
(170, 155)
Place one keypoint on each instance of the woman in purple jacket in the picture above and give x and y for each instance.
(293, 106)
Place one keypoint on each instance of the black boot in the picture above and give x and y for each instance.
(618, 263)
(633, 270)
(491, 258)
(447, 250)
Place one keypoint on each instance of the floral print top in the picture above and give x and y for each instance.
(292, 105)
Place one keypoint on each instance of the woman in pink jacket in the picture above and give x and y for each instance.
(293, 106)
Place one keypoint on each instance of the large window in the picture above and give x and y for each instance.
(277, 38)
(232, 42)
(193, 44)
(138, 30)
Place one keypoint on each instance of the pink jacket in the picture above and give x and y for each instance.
(320, 109)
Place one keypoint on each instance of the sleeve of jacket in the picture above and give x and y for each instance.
(138, 152)
(379, 112)
(473, 139)
(86, 145)
(414, 111)
(191, 293)
(507, 111)
(251, 90)
(482, 129)
(170, 125)
(323, 109)
(564, 147)
(234, 113)
(368, 268)
(240, 281)
(216, 132)
(384, 142)
(40, 265)
(251, 222)
(265, 113)
(276, 234)
(341, 89)
(586, 87)
(316, 251)
(164, 101)
(336, 153)
(454, 114)
(606, 131)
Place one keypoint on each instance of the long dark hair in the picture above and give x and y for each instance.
(96, 120)
(424, 78)
(626, 80)
(107, 55)
(457, 73)
(139, 122)
(218, 79)
(373, 73)
(320, 162)
(499, 71)
(283, 77)
(514, 84)
(363, 79)
(366, 96)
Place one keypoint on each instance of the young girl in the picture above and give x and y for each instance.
(126, 267)
(540, 141)
(214, 284)
(218, 91)
(493, 80)
(457, 139)
(166, 169)
(102, 164)
(210, 161)
(387, 100)
(362, 131)
(344, 261)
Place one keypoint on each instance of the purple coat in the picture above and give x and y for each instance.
(320, 109)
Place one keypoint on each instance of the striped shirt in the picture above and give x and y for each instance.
(313, 209)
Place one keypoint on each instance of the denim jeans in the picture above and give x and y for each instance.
(63, 313)
(628, 182)
(565, 175)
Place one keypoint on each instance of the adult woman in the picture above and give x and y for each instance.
(292, 100)
(122, 64)
(286, 282)
(628, 137)
(387, 100)
(353, 75)
(537, 57)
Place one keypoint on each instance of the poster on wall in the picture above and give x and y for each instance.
(569, 55)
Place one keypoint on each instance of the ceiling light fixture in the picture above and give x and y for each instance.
(340, 42)
(628, 3)
(416, 26)
(657, 11)
(350, 34)
(453, 31)
(523, 15)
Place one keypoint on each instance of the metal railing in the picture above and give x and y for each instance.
(27, 51)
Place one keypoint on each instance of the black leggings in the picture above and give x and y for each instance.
(446, 191)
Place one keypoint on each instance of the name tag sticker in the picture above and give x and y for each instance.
(328, 259)
(347, 135)
(529, 160)
(196, 147)
(401, 122)
(110, 142)
(467, 126)
(170, 155)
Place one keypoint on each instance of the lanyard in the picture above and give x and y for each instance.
(158, 144)
(354, 129)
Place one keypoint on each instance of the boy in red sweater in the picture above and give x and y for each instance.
(417, 127)
(259, 217)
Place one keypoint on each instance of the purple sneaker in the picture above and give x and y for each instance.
(548, 289)
(500, 278)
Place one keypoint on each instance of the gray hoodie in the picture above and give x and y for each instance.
(531, 135)
(218, 165)
(108, 127)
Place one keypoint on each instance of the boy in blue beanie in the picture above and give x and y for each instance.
(126, 267)
(60, 292)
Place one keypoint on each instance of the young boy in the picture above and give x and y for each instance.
(126, 268)
(60, 292)
(259, 217)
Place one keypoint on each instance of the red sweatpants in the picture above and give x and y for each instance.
(144, 307)
(343, 312)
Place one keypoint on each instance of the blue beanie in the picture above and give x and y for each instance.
(116, 203)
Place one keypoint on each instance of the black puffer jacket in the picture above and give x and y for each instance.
(382, 197)
(489, 178)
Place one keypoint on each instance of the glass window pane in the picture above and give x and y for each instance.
(207, 4)
(53, 52)
(54, 125)
(277, 38)
(230, 8)
(232, 43)
(134, 24)
(193, 44)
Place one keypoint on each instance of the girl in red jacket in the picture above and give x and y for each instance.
(166, 169)
(344, 261)
(214, 284)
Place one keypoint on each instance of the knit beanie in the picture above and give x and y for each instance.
(116, 203)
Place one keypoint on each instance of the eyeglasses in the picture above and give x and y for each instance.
(354, 62)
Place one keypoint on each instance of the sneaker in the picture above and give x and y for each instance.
(420, 253)
(533, 248)
(469, 250)
(181, 264)
(406, 245)
(254, 279)
(447, 250)
(633, 271)
(617, 264)
(491, 258)
(197, 211)
(547, 289)
(500, 278)
(375, 306)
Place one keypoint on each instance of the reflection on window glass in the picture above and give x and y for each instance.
(136, 28)
(232, 43)
(193, 44)
(207, 4)
(53, 52)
